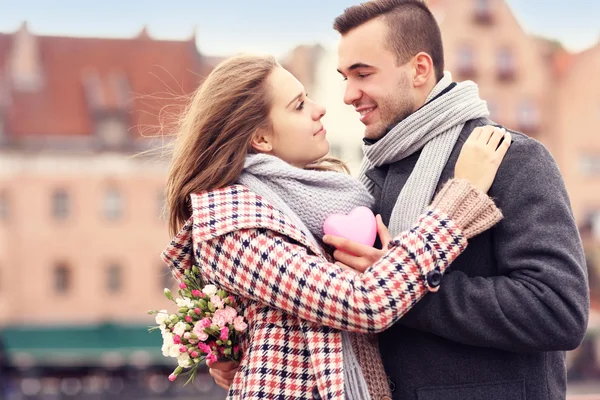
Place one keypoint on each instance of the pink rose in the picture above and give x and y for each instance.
(224, 333)
(217, 302)
(202, 336)
(205, 322)
(211, 358)
(172, 377)
(239, 324)
(188, 318)
(203, 347)
(176, 339)
(196, 293)
(219, 320)
(194, 354)
(199, 331)
(231, 314)
(182, 285)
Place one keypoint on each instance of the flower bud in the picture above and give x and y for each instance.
(168, 294)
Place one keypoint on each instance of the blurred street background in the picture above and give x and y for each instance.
(88, 95)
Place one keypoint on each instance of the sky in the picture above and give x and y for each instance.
(225, 27)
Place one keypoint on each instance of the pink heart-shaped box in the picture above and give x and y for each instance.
(359, 225)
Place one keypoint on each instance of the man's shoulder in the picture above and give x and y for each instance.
(522, 145)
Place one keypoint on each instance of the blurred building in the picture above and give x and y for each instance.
(80, 208)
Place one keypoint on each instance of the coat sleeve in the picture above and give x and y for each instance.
(270, 268)
(539, 300)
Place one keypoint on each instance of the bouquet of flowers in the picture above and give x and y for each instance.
(205, 327)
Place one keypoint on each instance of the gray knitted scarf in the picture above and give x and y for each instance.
(435, 128)
(308, 198)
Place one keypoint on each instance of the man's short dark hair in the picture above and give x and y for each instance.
(412, 28)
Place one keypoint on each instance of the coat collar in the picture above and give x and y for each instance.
(222, 211)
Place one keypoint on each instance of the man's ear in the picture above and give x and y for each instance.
(423, 69)
(262, 141)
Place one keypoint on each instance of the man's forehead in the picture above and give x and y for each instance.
(352, 55)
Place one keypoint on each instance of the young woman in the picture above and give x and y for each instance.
(248, 192)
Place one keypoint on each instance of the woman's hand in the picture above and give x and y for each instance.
(356, 256)
(223, 372)
(482, 155)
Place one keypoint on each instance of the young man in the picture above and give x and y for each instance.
(510, 306)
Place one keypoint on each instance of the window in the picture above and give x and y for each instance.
(466, 61)
(591, 225)
(494, 110)
(589, 165)
(113, 204)
(60, 204)
(4, 205)
(62, 279)
(114, 278)
(335, 150)
(528, 118)
(506, 64)
(595, 219)
(167, 280)
(483, 11)
(112, 132)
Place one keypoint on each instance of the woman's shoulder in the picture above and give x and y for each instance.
(236, 208)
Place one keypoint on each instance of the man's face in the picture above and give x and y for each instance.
(380, 90)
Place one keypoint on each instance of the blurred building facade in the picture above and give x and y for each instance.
(80, 208)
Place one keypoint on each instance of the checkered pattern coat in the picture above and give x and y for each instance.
(294, 300)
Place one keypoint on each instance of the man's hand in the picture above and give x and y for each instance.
(356, 255)
(223, 372)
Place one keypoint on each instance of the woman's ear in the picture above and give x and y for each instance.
(262, 141)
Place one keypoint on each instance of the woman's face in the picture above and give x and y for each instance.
(297, 135)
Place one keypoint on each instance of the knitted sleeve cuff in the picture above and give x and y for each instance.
(471, 209)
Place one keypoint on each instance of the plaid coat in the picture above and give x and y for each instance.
(295, 300)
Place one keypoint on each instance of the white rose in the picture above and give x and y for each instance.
(179, 328)
(166, 349)
(209, 290)
(184, 360)
(161, 317)
(174, 351)
(181, 302)
(168, 338)
(184, 302)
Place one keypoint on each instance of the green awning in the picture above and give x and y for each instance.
(106, 344)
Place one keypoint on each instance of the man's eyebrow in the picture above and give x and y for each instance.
(356, 66)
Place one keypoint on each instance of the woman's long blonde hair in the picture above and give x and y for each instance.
(215, 131)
